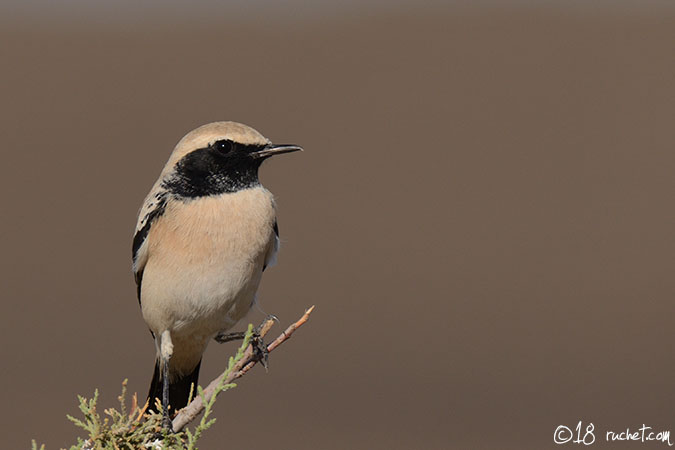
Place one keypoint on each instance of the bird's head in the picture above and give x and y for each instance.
(218, 157)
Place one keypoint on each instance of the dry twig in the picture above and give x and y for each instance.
(191, 411)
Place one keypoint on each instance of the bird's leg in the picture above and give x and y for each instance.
(166, 420)
(223, 337)
(166, 350)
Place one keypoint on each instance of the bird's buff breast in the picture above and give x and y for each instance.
(205, 261)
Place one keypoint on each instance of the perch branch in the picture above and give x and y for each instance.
(191, 411)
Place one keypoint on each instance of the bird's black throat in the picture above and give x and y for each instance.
(207, 171)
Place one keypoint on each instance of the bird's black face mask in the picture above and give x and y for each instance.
(224, 166)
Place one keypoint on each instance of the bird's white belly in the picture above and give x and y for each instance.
(204, 298)
(205, 263)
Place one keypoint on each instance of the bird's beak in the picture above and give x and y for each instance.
(272, 150)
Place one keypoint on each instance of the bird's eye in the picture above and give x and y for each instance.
(224, 146)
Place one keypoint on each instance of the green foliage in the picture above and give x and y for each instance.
(133, 428)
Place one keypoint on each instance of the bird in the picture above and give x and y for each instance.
(205, 233)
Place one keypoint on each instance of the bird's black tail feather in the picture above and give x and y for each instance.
(179, 389)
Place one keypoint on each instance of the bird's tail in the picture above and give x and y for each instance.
(179, 389)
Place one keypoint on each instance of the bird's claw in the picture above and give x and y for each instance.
(260, 327)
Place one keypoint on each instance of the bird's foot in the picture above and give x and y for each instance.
(166, 429)
(260, 352)
(167, 425)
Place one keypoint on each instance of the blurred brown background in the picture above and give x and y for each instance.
(483, 216)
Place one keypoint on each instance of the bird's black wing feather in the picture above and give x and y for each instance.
(142, 233)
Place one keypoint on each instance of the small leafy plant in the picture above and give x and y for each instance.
(135, 427)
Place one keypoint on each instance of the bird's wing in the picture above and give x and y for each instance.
(271, 256)
(153, 207)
